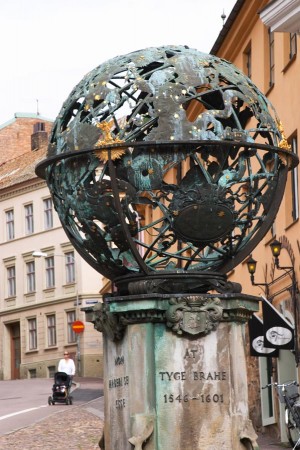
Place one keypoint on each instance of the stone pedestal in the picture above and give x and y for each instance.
(175, 372)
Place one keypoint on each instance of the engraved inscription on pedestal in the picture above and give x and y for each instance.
(195, 381)
(118, 385)
(190, 385)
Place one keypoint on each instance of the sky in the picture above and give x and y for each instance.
(47, 46)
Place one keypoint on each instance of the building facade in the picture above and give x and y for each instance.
(44, 283)
(261, 38)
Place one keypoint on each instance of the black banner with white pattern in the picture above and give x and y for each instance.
(256, 335)
(278, 331)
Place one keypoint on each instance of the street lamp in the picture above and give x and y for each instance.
(40, 254)
(276, 249)
(289, 270)
(37, 254)
(251, 264)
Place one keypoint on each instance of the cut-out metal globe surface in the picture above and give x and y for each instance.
(165, 162)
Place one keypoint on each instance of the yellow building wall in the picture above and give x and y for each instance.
(248, 30)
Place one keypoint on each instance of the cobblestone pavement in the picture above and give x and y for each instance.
(75, 428)
(267, 442)
(79, 427)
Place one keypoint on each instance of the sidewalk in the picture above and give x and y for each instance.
(266, 442)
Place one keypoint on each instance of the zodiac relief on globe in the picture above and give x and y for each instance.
(166, 160)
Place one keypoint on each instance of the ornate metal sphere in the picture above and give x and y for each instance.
(165, 162)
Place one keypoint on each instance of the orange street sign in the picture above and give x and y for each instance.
(78, 326)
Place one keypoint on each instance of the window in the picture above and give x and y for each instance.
(32, 334)
(30, 274)
(48, 214)
(291, 197)
(248, 61)
(289, 49)
(294, 182)
(273, 230)
(272, 59)
(51, 371)
(51, 330)
(32, 373)
(50, 274)
(10, 225)
(71, 317)
(293, 45)
(70, 267)
(29, 219)
(267, 400)
(11, 281)
(38, 126)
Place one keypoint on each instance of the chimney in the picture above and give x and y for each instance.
(39, 137)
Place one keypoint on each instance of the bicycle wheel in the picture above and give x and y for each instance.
(293, 432)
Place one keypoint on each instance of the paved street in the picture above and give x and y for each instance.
(62, 427)
(58, 427)
(23, 402)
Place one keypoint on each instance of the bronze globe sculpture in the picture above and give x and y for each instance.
(167, 166)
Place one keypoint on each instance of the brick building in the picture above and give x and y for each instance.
(23, 133)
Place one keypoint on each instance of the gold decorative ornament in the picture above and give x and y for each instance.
(283, 143)
(108, 139)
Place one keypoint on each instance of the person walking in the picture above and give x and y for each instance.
(66, 364)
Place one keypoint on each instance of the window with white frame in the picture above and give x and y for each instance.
(30, 275)
(11, 281)
(70, 267)
(48, 213)
(50, 272)
(10, 224)
(51, 330)
(32, 334)
(71, 317)
(29, 226)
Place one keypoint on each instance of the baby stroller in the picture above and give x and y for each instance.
(61, 389)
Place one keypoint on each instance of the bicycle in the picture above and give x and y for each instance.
(288, 394)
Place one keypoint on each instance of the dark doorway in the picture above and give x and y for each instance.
(15, 346)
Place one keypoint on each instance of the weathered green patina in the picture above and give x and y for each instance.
(182, 135)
